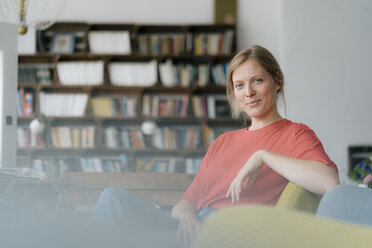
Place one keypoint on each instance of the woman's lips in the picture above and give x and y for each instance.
(252, 103)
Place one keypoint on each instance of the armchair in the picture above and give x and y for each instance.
(337, 224)
(295, 197)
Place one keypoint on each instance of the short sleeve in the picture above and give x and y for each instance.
(307, 146)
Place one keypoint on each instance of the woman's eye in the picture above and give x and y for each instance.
(258, 80)
(238, 86)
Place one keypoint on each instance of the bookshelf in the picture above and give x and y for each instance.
(95, 98)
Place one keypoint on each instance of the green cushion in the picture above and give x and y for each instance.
(268, 227)
(295, 197)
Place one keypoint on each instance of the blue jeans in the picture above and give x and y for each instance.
(121, 208)
(205, 213)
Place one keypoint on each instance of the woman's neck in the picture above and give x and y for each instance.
(258, 123)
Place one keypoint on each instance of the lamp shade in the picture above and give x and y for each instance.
(40, 14)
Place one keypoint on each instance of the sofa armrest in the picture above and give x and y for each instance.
(295, 197)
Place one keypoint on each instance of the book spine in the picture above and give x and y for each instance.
(28, 110)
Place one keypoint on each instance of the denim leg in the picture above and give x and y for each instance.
(205, 213)
(121, 208)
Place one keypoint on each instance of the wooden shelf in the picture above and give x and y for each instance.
(47, 57)
(187, 56)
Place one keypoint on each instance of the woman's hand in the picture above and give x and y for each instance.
(188, 228)
(247, 173)
(189, 224)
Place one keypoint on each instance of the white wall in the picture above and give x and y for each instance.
(140, 11)
(326, 53)
(258, 23)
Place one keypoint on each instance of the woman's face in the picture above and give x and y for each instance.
(255, 90)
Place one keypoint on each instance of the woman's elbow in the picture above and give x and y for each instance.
(331, 184)
(331, 181)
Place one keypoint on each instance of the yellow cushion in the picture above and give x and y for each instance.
(295, 197)
(269, 227)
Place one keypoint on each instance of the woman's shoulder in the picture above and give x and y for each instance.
(296, 125)
(298, 128)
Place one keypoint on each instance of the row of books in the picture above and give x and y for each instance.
(178, 138)
(119, 42)
(211, 134)
(159, 165)
(164, 138)
(129, 138)
(185, 75)
(45, 167)
(63, 104)
(114, 106)
(167, 165)
(35, 73)
(54, 167)
(165, 105)
(81, 72)
(213, 43)
(123, 137)
(91, 73)
(192, 165)
(211, 106)
(61, 42)
(73, 137)
(161, 44)
(219, 74)
(109, 42)
(133, 73)
(103, 165)
(25, 138)
(177, 44)
(25, 102)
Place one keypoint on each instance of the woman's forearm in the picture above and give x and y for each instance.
(312, 175)
(184, 209)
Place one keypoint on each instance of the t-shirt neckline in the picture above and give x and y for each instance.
(273, 125)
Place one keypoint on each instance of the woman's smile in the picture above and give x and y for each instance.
(253, 103)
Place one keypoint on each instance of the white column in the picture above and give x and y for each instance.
(8, 94)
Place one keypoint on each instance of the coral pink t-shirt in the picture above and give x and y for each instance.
(229, 152)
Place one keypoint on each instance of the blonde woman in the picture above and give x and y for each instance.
(247, 166)
(253, 165)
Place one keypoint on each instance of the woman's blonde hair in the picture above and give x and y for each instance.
(266, 60)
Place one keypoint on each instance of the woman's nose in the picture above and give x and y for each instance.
(249, 91)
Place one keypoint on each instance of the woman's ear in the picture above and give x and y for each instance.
(278, 88)
(278, 78)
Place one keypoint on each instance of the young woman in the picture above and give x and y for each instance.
(247, 166)
(253, 165)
